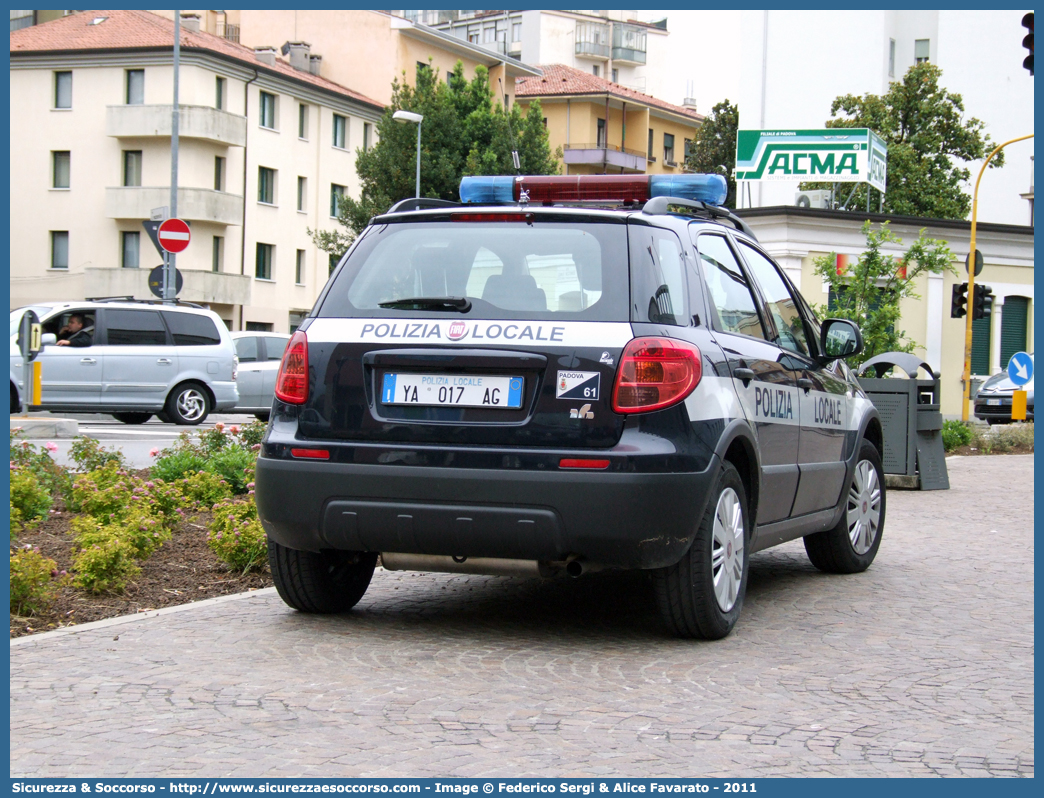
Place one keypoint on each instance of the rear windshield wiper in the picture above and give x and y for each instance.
(459, 303)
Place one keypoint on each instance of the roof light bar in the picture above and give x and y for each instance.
(711, 189)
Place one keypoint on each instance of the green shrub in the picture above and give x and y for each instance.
(1001, 439)
(104, 493)
(235, 465)
(955, 434)
(203, 490)
(162, 499)
(140, 530)
(16, 521)
(236, 536)
(55, 478)
(89, 455)
(105, 567)
(179, 464)
(29, 498)
(32, 581)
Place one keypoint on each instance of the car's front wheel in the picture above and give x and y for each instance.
(324, 582)
(701, 595)
(852, 544)
(188, 404)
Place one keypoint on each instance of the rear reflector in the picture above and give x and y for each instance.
(292, 380)
(655, 373)
(567, 462)
(311, 454)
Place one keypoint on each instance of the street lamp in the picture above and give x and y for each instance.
(409, 116)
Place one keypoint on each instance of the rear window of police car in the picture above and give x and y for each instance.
(508, 270)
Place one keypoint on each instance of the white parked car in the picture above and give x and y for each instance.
(259, 356)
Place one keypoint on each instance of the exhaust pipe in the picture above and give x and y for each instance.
(575, 567)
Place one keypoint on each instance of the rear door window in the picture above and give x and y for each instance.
(507, 270)
(274, 347)
(190, 329)
(246, 348)
(657, 277)
(733, 307)
(134, 328)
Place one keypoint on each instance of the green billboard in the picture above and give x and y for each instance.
(837, 155)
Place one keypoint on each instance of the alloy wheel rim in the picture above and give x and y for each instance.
(191, 404)
(864, 507)
(727, 549)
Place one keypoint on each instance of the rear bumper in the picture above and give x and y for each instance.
(226, 395)
(1002, 412)
(616, 519)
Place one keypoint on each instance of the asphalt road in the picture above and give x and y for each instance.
(921, 666)
(136, 441)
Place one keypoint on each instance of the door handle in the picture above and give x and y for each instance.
(805, 384)
(87, 361)
(744, 375)
(164, 361)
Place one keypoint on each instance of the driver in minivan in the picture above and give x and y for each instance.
(74, 333)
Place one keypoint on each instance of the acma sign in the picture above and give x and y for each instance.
(838, 155)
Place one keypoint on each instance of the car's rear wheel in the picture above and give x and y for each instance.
(132, 418)
(188, 404)
(851, 546)
(327, 582)
(701, 595)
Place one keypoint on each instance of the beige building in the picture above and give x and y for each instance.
(365, 49)
(795, 237)
(265, 147)
(605, 128)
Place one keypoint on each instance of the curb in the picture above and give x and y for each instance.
(124, 619)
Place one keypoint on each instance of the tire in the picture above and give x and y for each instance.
(262, 416)
(328, 582)
(15, 404)
(692, 603)
(132, 418)
(188, 404)
(851, 546)
(162, 416)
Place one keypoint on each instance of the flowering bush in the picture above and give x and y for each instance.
(89, 455)
(30, 500)
(52, 476)
(104, 493)
(142, 531)
(236, 535)
(32, 581)
(204, 489)
(235, 465)
(105, 566)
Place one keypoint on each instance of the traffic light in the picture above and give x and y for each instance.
(982, 302)
(1027, 41)
(959, 300)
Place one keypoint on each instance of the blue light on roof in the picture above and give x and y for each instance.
(487, 190)
(711, 189)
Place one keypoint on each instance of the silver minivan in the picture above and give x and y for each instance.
(131, 359)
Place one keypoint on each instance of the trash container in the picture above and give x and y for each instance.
(910, 418)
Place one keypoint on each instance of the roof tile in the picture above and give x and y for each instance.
(142, 30)
(560, 80)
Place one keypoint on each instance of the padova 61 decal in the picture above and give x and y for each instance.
(578, 385)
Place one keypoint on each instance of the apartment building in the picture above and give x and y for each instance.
(266, 147)
(366, 49)
(605, 128)
(608, 44)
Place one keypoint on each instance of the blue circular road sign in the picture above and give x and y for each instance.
(1020, 368)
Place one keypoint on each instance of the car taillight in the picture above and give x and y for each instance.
(292, 380)
(655, 373)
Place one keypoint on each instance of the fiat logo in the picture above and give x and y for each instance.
(457, 330)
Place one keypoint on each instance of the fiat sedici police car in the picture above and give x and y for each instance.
(560, 375)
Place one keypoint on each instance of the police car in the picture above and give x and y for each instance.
(559, 375)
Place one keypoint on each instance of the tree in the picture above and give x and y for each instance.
(928, 138)
(464, 132)
(870, 292)
(714, 150)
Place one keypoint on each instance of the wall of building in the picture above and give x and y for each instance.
(791, 81)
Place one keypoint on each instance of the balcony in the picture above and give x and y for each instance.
(592, 40)
(608, 155)
(195, 122)
(629, 44)
(194, 204)
(199, 286)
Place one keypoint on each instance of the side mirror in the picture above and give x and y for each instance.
(840, 338)
(48, 339)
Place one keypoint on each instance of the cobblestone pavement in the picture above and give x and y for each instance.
(921, 666)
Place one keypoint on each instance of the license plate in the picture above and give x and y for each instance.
(458, 390)
(993, 402)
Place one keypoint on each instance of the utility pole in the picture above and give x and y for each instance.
(170, 259)
(966, 376)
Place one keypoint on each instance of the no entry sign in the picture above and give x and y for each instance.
(174, 235)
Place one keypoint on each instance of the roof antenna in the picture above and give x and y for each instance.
(514, 150)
